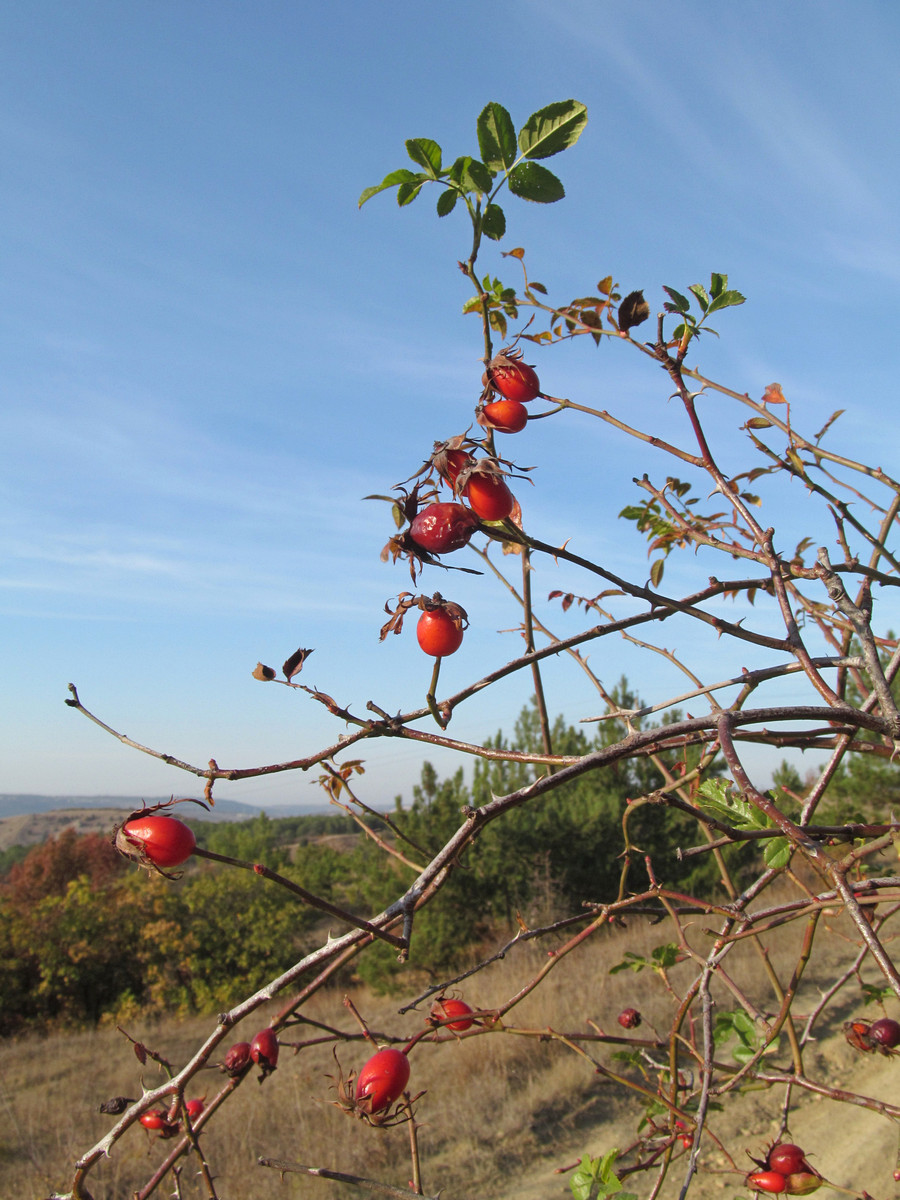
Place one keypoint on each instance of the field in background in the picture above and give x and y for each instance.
(473, 1142)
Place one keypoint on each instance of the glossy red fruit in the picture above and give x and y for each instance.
(439, 633)
(450, 1006)
(382, 1080)
(165, 841)
(237, 1058)
(767, 1181)
(885, 1032)
(194, 1108)
(155, 1119)
(264, 1050)
(629, 1018)
(441, 528)
(489, 496)
(508, 416)
(786, 1158)
(513, 379)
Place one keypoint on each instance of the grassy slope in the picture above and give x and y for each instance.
(500, 1113)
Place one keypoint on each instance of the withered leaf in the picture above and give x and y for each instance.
(267, 674)
(633, 310)
(294, 665)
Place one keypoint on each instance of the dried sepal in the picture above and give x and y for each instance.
(404, 602)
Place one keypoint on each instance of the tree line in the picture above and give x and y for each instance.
(85, 937)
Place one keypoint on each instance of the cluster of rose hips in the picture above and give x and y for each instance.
(784, 1170)
(263, 1051)
(165, 1123)
(383, 1078)
(479, 485)
(882, 1035)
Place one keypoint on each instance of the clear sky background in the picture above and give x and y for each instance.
(208, 356)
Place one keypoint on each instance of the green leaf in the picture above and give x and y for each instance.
(656, 571)
(737, 1024)
(873, 994)
(594, 1178)
(777, 853)
(496, 138)
(471, 175)
(493, 222)
(631, 962)
(403, 175)
(666, 956)
(552, 129)
(408, 190)
(700, 292)
(717, 284)
(715, 797)
(682, 304)
(426, 153)
(530, 181)
(726, 300)
(447, 202)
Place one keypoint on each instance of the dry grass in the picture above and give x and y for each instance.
(500, 1109)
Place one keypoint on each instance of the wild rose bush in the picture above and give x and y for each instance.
(804, 615)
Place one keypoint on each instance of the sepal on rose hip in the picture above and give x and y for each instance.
(512, 378)
(379, 1084)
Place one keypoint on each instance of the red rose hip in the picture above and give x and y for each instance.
(442, 528)
(438, 633)
(264, 1050)
(164, 841)
(450, 1006)
(382, 1080)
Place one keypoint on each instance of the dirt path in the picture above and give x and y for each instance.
(853, 1147)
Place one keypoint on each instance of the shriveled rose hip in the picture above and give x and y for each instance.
(237, 1058)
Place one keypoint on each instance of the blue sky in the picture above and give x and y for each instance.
(209, 355)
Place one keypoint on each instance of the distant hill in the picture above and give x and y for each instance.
(26, 819)
(28, 829)
(225, 810)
